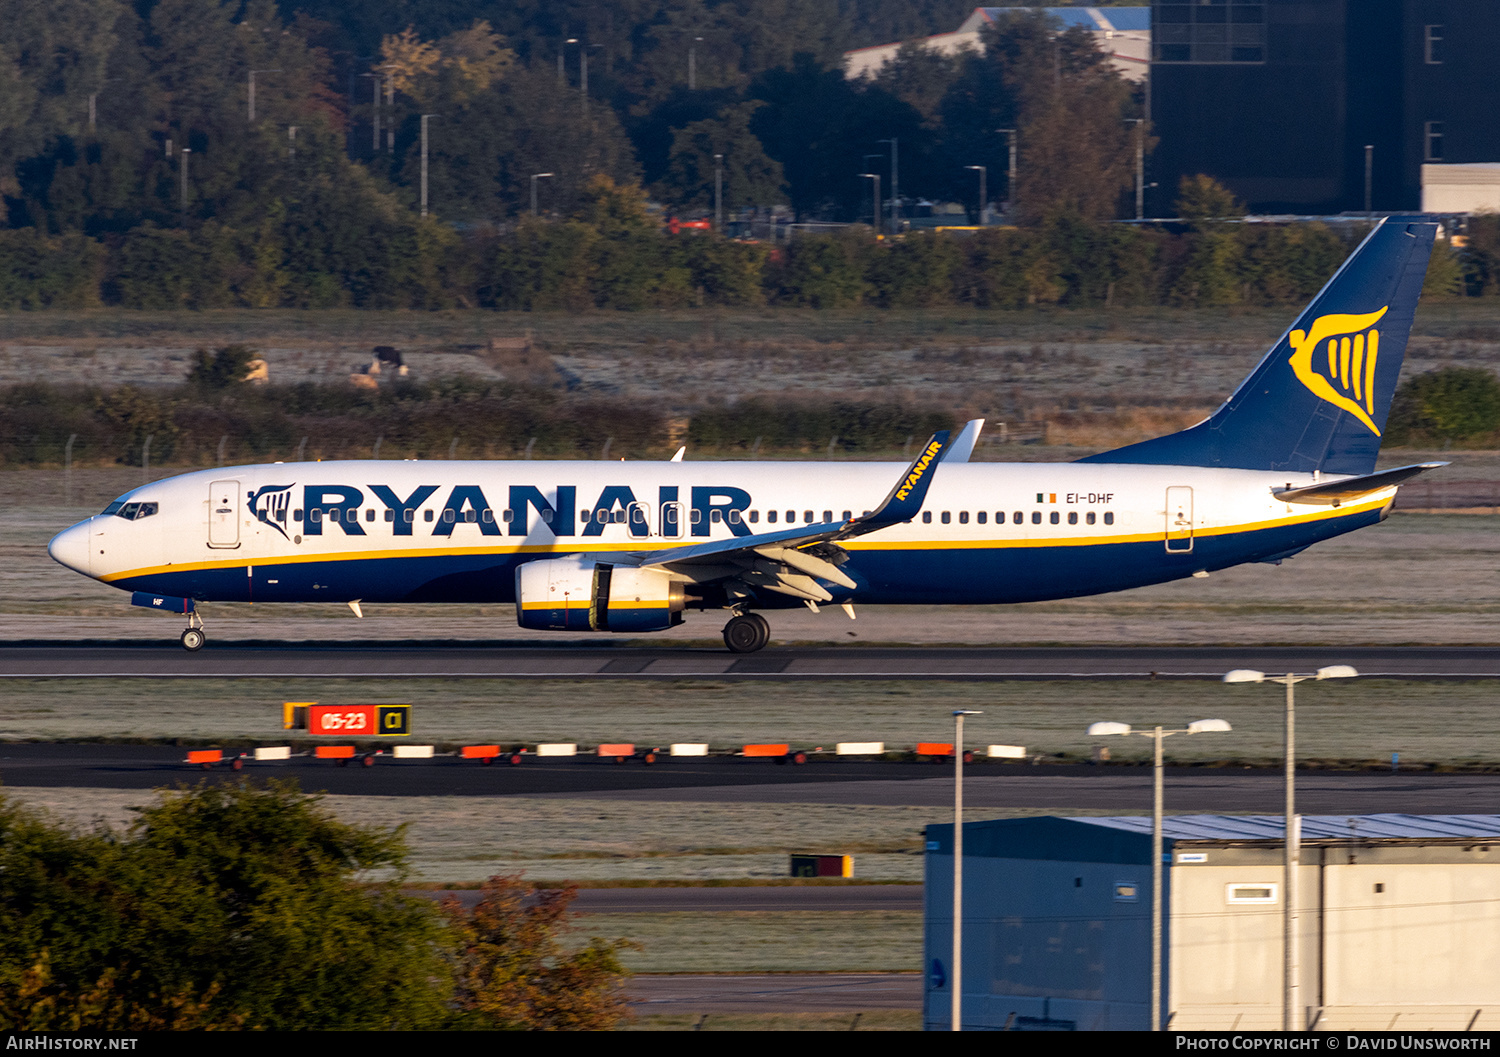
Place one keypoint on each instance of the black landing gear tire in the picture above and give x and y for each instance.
(193, 639)
(747, 633)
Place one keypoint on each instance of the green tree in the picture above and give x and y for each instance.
(223, 368)
(751, 178)
(220, 906)
(1449, 405)
(1211, 274)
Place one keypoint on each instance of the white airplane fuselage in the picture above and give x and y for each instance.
(988, 533)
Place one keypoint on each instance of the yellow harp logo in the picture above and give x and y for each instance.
(1347, 346)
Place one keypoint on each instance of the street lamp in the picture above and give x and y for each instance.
(958, 864)
(1140, 167)
(875, 203)
(1010, 172)
(374, 111)
(895, 186)
(182, 170)
(252, 91)
(425, 117)
(1293, 835)
(534, 177)
(693, 63)
(983, 197)
(1200, 726)
(719, 193)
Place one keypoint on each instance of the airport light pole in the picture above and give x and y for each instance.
(895, 186)
(1140, 167)
(534, 178)
(252, 91)
(983, 197)
(1291, 859)
(875, 206)
(693, 63)
(1157, 734)
(957, 975)
(719, 193)
(1010, 172)
(425, 118)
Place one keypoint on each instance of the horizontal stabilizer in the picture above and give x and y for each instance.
(1332, 493)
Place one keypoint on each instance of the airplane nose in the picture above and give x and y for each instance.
(70, 547)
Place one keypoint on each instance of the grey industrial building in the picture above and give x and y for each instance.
(1399, 923)
(1278, 99)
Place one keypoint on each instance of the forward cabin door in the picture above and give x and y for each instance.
(1179, 519)
(224, 514)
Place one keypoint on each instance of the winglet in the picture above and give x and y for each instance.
(904, 501)
(680, 453)
(963, 444)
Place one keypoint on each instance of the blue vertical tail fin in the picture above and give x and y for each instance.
(1320, 397)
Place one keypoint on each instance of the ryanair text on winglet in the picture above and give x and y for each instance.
(918, 470)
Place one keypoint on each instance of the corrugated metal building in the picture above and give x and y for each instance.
(1399, 922)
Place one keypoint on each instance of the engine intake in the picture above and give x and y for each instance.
(571, 594)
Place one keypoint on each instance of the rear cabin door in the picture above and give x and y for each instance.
(224, 514)
(1179, 519)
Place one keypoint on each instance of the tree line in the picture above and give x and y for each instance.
(614, 254)
(240, 907)
(307, 116)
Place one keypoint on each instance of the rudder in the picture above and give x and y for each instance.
(1319, 399)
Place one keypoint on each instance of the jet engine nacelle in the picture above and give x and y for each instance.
(573, 594)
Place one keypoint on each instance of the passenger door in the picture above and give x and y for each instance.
(1179, 519)
(224, 515)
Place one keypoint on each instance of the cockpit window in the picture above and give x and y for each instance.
(133, 511)
(113, 508)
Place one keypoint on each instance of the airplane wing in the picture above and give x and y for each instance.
(1332, 493)
(791, 561)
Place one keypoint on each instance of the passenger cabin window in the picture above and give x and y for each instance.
(791, 517)
(1109, 518)
(947, 517)
(390, 515)
(848, 514)
(770, 517)
(981, 517)
(1017, 518)
(754, 516)
(927, 517)
(827, 515)
(963, 517)
(427, 515)
(370, 514)
(1036, 517)
(1089, 517)
(1072, 517)
(1055, 517)
(807, 517)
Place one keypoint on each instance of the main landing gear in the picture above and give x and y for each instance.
(746, 633)
(193, 638)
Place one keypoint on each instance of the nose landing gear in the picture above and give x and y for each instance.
(746, 633)
(193, 638)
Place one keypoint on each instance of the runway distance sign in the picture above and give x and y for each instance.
(359, 720)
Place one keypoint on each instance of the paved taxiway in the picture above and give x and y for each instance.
(987, 786)
(344, 660)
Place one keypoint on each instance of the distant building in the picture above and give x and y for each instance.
(1399, 919)
(1123, 33)
(1278, 99)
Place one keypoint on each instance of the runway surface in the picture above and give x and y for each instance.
(342, 660)
(987, 786)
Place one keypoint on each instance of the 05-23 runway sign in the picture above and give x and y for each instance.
(359, 720)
